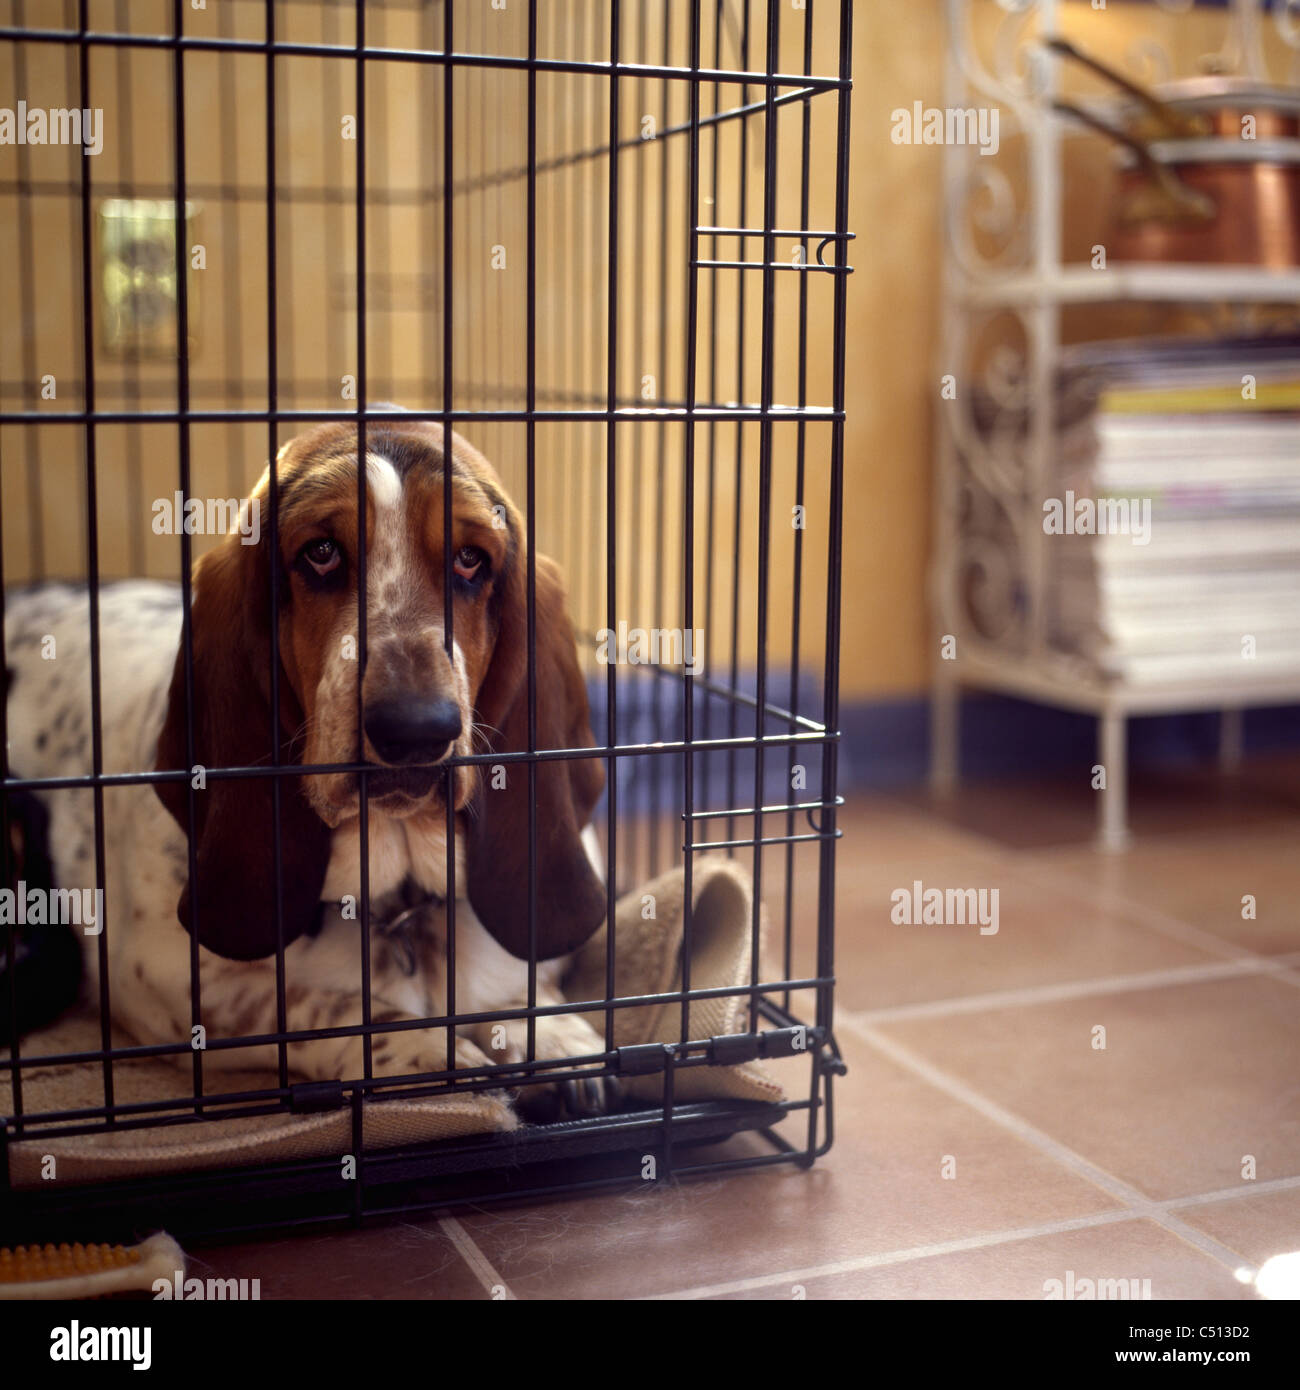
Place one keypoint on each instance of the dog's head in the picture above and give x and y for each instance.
(421, 699)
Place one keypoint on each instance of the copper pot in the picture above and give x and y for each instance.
(1198, 182)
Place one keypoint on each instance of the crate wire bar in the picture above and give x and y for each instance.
(700, 754)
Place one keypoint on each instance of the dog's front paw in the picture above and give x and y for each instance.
(412, 1052)
(558, 1037)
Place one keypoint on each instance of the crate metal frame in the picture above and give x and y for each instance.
(571, 1154)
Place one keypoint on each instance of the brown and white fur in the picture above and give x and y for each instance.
(150, 902)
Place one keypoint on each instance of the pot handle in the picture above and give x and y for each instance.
(1169, 196)
(1171, 122)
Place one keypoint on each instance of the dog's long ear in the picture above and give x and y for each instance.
(570, 896)
(234, 818)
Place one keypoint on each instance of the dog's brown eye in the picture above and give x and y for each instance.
(323, 555)
(468, 561)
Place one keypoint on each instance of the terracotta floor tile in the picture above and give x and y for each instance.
(1274, 775)
(1257, 1225)
(408, 1260)
(879, 829)
(1048, 933)
(1192, 1077)
(1128, 1250)
(1063, 810)
(1200, 879)
(880, 1189)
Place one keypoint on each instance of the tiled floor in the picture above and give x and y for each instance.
(986, 1144)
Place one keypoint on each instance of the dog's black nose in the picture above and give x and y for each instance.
(412, 729)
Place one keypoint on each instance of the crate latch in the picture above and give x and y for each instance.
(641, 1059)
(789, 1042)
(306, 1097)
(731, 1049)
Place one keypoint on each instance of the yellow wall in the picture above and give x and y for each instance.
(893, 307)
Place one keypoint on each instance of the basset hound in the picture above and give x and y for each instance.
(421, 701)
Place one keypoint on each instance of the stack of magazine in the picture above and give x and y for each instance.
(1174, 542)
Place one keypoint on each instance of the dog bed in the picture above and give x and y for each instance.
(648, 962)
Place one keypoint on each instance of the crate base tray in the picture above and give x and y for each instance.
(566, 1155)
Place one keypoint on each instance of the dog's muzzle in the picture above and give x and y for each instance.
(412, 729)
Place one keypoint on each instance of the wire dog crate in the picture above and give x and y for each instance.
(605, 241)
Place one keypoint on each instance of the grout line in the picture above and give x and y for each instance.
(1137, 1202)
(1046, 994)
(979, 1242)
(475, 1258)
(1162, 922)
(1227, 1194)
(988, 1240)
(1023, 863)
(894, 1257)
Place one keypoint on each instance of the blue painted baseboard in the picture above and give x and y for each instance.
(651, 709)
(885, 743)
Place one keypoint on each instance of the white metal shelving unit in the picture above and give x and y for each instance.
(1025, 277)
